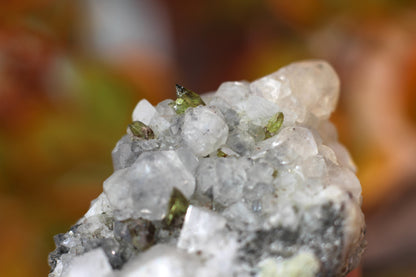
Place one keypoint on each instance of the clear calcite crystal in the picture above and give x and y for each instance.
(143, 190)
(204, 130)
(249, 181)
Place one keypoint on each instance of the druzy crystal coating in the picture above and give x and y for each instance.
(247, 181)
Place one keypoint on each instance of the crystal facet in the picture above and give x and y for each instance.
(186, 99)
(273, 125)
(141, 130)
(204, 130)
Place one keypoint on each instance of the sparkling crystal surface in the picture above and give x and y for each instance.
(251, 181)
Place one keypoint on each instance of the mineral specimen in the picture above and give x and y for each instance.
(249, 181)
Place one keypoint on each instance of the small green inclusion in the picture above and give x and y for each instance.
(221, 154)
(273, 125)
(185, 99)
(178, 204)
(141, 130)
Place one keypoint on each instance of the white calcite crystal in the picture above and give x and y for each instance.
(204, 130)
(143, 189)
(250, 181)
(92, 263)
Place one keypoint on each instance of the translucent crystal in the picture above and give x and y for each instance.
(233, 92)
(345, 178)
(128, 149)
(272, 89)
(161, 260)
(200, 227)
(129, 192)
(342, 156)
(206, 175)
(274, 125)
(241, 216)
(99, 206)
(290, 144)
(143, 112)
(122, 153)
(186, 99)
(240, 141)
(93, 263)
(140, 130)
(164, 119)
(189, 160)
(257, 110)
(300, 87)
(268, 88)
(314, 83)
(231, 176)
(204, 130)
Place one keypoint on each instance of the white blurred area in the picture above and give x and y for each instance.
(117, 29)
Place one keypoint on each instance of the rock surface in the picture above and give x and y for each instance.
(250, 181)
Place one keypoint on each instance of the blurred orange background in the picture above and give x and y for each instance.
(71, 73)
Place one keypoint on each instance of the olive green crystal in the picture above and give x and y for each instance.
(185, 99)
(221, 154)
(141, 130)
(178, 204)
(274, 125)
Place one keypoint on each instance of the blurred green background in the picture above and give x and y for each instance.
(71, 73)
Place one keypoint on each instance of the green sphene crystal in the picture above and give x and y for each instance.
(274, 125)
(185, 99)
(141, 130)
(178, 204)
(221, 154)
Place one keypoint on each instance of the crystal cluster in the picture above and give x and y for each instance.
(247, 181)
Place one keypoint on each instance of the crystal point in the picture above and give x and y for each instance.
(186, 99)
